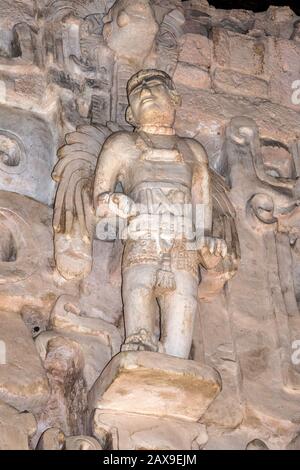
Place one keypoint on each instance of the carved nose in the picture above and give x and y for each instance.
(145, 91)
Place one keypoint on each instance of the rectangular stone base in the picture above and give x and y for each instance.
(155, 384)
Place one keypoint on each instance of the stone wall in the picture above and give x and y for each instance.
(64, 64)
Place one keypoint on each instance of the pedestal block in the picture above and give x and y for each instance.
(155, 384)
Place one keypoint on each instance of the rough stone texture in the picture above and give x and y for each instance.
(16, 428)
(237, 72)
(98, 339)
(196, 50)
(142, 432)
(26, 390)
(192, 76)
(164, 386)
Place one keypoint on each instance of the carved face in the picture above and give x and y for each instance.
(130, 29)
(151, 103)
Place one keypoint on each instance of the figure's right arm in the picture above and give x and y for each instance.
(108, 167)
(113, 164)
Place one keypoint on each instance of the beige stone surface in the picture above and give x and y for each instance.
(129, 431)
(163, 386)
(98, 339)
(239, 52)
(28, 279)
(236, 83)
(16, 428)
(23, 380)
(196, 50)
(193, 76)
(64, 68)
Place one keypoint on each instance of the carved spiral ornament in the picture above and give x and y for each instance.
(12, 153)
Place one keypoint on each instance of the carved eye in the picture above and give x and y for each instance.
(123, 19)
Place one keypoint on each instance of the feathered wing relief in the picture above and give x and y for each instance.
(57, 9)
(73, 219)
(224, 227)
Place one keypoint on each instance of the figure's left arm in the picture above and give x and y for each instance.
(210, 248)
(201, 185)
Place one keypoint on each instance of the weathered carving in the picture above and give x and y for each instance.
(12, 153)
(66, 407)
(55, 439)
(65, 65)
(244, 131)
(16, 428)
(17, 246)
(273, 213)
(296, 33)
(73, 225)
(73, 217)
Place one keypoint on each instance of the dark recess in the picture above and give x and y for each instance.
(253, 5)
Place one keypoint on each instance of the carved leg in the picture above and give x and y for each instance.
(178, 310)
(140, 307)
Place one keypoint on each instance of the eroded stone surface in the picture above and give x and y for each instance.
(16, 428)
(64, 71)
(144, 432)
(24, 383)
(163, 386)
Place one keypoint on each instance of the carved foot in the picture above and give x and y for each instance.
(141, 341)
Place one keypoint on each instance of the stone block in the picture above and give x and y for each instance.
(155, 384)
(15, 428)
(192, 76)
(28, 147)
(239, 51)
(196, 49)
(236, 83)
(23, 380)
(283, 67)
(129, 431)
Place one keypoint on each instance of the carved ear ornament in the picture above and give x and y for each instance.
(13, 158)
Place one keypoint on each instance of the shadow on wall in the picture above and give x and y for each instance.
(253, 5)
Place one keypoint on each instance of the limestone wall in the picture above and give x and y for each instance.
(64, 64)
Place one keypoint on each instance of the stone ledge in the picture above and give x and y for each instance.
(155, 384)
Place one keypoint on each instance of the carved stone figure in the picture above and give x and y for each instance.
(118, 329)
(155, 169)
(161, 174)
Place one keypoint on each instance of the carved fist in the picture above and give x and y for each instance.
(122, 205)
(115, 204)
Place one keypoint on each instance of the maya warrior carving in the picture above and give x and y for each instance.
(157, 169)
(160, 175)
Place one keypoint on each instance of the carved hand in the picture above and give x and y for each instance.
(115, 204)
(211, 250)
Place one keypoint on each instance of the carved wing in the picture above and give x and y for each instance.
(224, 214)
(223, 227)
(57, 9)
(16, 12)
(73, 218)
